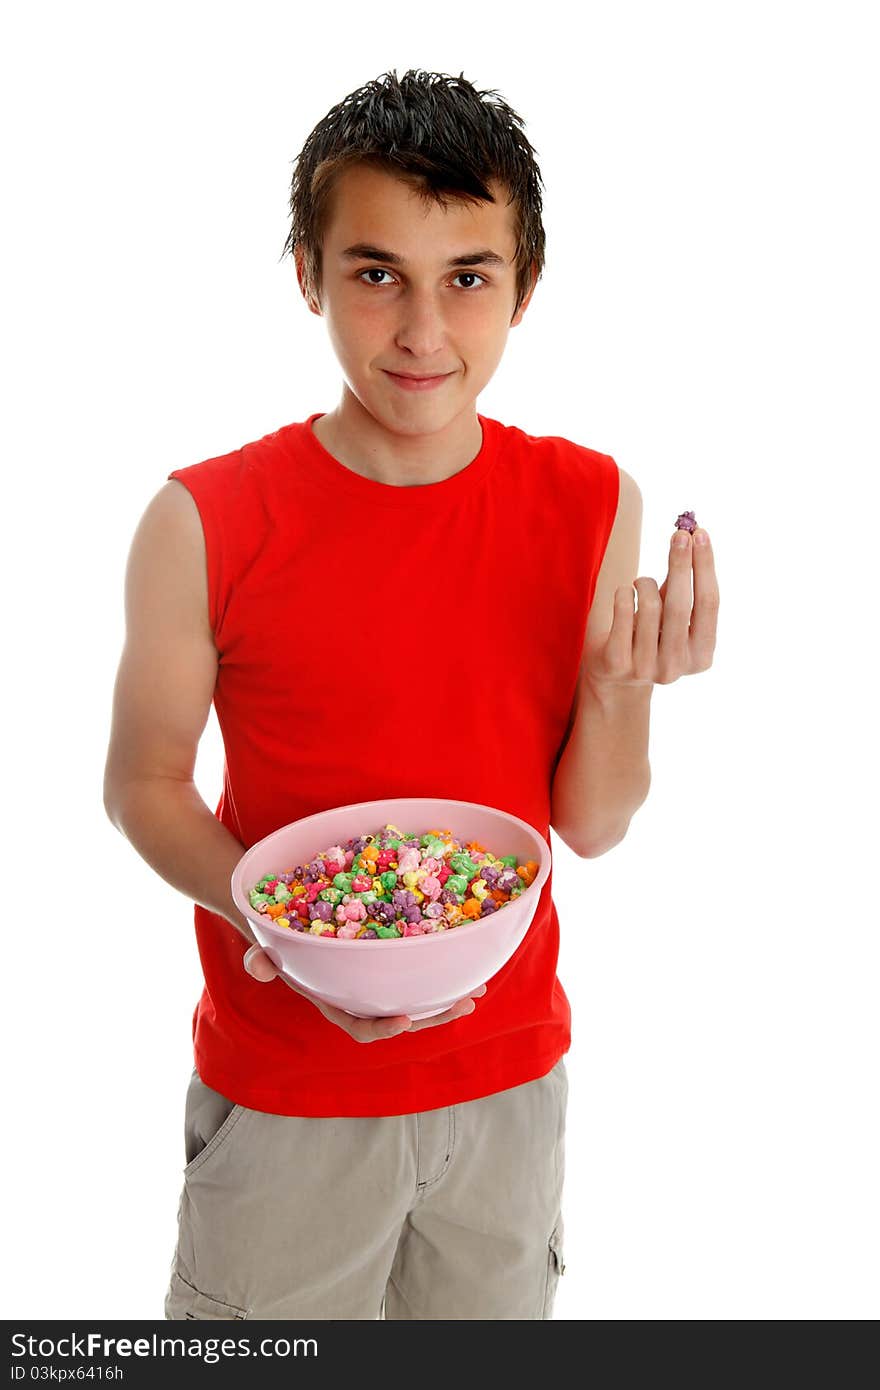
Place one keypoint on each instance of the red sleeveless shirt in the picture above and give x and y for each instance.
(386, 641)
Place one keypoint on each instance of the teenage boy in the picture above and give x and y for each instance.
(399, 597)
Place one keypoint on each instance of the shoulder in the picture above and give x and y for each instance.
(171, 516)
(169, 539)
(566, 458)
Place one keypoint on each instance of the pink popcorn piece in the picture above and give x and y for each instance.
(686, 522)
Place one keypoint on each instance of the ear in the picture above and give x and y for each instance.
(517, 318)
(300, 275)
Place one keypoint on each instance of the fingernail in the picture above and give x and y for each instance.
(701, 537)
(680, 539)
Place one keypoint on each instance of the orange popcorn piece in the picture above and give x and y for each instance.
(472, 907)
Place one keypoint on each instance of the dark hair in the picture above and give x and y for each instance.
(436, 133)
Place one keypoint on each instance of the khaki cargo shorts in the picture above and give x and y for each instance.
(449, 1213)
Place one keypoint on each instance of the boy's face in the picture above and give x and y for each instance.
(421, 316)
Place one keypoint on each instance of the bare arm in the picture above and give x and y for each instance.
(603, 774)
(161, 701)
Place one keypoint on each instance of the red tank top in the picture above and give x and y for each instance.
(384, 641)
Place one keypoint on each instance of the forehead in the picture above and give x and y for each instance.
(370, 205)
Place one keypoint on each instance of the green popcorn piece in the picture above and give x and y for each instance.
(457, 883)
(331, 895)
(388, 879)
(257, 898)
(282, 893)
(342, 881)
(435, 848)
(508, 860)
(387, 931)
(393, 844)
(463, 864)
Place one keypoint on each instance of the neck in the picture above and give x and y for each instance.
(395, 455)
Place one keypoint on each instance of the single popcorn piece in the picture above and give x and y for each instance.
(686, 522)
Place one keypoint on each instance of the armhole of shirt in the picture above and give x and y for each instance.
(612, 495)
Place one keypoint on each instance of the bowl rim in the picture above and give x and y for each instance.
(291, 934)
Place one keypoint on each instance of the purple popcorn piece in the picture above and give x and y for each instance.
(686, 522)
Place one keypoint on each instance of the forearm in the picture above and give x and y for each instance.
(170, 826)
(604, 773)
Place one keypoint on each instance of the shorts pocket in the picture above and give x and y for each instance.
(186, 1301)
(555, 1267)
(216, 1141)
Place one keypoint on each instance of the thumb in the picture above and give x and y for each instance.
(258, 964)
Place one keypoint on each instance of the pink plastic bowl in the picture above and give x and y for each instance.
(414, 975)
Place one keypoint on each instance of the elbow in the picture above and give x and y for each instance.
(594, 849)
(591, 849)
(114, 795)
(600, 847)
(111, 801)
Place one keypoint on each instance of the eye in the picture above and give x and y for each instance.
(372, 270)
(377, 270)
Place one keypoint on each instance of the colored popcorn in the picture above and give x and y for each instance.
(391, 884)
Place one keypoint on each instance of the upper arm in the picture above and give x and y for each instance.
(620, 564)
(168, 670)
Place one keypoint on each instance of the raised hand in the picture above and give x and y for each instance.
(671, 634)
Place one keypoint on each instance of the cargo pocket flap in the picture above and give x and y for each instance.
(190, 1302)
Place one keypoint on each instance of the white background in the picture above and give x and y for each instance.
(708, 315)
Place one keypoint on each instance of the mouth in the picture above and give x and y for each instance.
(417, 383)
(419, 376)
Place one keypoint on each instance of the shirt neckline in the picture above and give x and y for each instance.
(419, 496)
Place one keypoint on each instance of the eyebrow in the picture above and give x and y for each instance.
(362, 252)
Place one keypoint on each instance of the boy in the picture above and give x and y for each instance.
(393, 598)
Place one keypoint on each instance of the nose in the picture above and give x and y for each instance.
(421, 329)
